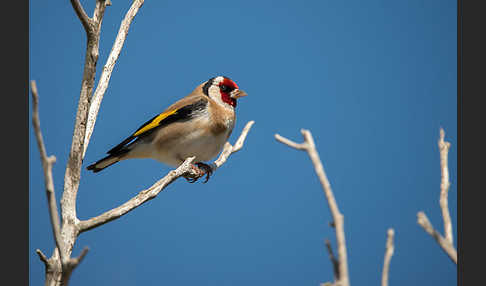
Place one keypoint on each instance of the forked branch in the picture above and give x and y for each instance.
(83, 17)
(309, 146)
(445, 242)
(449, 249)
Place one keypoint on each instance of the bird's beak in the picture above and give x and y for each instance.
(237, 93)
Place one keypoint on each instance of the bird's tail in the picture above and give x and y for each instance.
(103, 163)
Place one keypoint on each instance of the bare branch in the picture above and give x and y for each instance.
(388, 255)
(291, 143)
(447, 242)
(108, 69)
(229, 149)
(444, 186)
(241, 140)
(60, 266)
(424, 222)
(152, 192)
(98, 14)
(72, 175)
(75, 261)
(334, 261)
(83, 17)
(42, 256)
(139, 199)
(338, 218)
(47, 163)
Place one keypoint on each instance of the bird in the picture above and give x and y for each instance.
(198, 125)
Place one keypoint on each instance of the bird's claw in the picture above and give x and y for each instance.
(201, 169)
(206, 169)
(190, 179)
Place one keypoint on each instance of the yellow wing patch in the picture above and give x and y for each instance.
(155, 122)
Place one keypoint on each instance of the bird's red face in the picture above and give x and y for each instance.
(229, 91)
(225, 88)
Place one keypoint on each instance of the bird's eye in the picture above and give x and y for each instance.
(224, 88)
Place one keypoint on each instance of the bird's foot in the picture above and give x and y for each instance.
(201, 169)
(206, 169)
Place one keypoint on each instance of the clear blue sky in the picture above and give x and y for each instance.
(373, 80)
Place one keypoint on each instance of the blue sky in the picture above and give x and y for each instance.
(373, 80)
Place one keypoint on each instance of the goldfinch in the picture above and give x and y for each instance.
(196, 125)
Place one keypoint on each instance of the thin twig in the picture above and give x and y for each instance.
(75, 261)
(444, 185)
(310, 148)
(47, 163)
(301, 146)
(229, 149)
(83, 17)
(108, 69)
(424, 222)
(152, 192)
(388, 255)
(42, 256)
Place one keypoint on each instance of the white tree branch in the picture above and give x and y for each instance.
(73, 169)
(388, 255)
(60, 266)
(47, 163)
(444, 185)
(108, 69)
(229, 149)
(445, 242)
(290, 143)
(424, 222)
(152, 192)
(75, 261)
(139, 199)
(310, 148)
(42, 256)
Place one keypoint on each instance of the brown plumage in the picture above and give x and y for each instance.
(196, 125)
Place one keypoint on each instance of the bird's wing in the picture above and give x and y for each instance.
(182, 110)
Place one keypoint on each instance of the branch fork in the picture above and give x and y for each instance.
(446, 241)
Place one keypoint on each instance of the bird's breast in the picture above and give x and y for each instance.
(222, 120)
(203, 136)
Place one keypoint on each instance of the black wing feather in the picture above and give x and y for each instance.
(182, 114)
